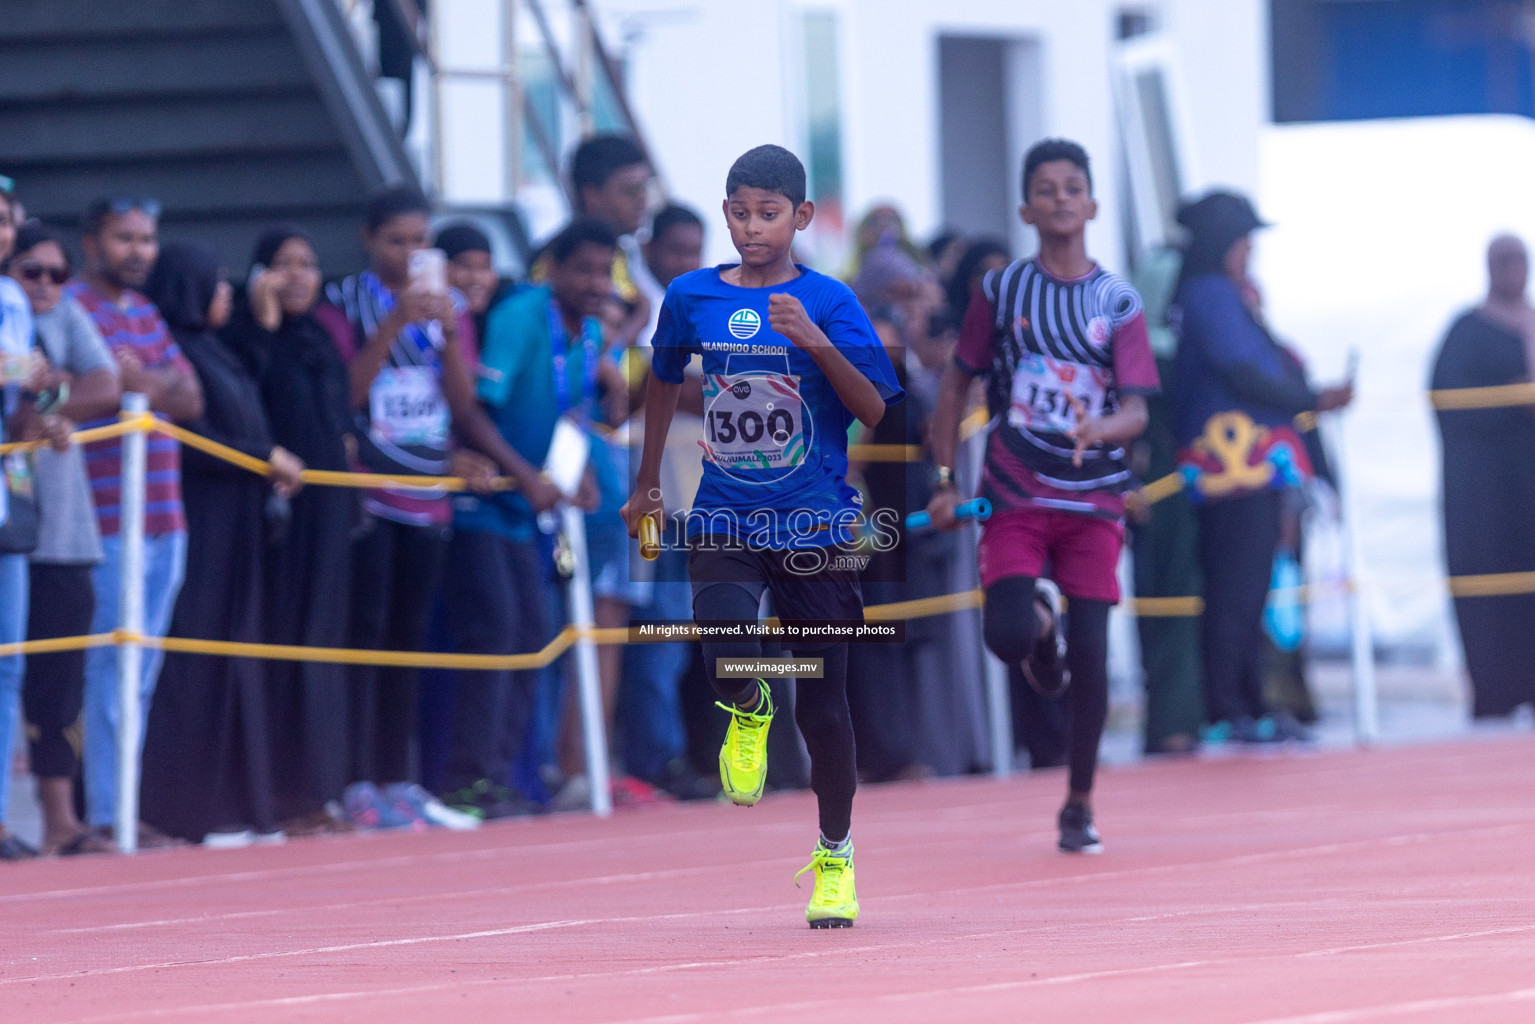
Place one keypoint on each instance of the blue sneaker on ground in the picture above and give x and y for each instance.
(366, 807)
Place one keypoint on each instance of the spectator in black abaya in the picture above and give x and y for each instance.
(306, 394)
(207, 767)
(1239, 392)
(1489, 481)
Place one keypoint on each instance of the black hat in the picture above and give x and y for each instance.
(1219, 216)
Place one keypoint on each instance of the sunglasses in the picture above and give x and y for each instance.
(126, 204)
(31, 271)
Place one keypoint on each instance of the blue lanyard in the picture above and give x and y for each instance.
(559, 345)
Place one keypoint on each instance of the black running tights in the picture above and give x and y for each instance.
(1012, 628)
(820, 705)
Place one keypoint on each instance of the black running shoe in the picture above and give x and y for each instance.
(680, 780)
(1077, 832)
(489, 801)
(1045, 668)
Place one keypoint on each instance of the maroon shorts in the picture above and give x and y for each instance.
(1082, 551)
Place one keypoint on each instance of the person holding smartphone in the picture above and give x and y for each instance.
(1239, 393)
(402, 331)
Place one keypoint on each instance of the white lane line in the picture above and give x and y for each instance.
(1091, 877)
(510, 851)
(820, 1006)
(324, 997)
(415, 940)
(984, 812)
(1405, 839)
(1403, 1009)
(394, 900)
(1367, 947)
(824, 1007)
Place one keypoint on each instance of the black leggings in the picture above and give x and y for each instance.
(1238, 539)
(1012, 629)
(63, 600)
(395, 571)
(820, 705)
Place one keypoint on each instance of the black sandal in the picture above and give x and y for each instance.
(12, 848)
(86, 842)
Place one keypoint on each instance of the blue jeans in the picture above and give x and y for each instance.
(165, 562)
(13, 629)
(648, 704)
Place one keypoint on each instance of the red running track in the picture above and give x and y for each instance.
(1391, 885)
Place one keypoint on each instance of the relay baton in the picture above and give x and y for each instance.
(650, 539)
(978, 509)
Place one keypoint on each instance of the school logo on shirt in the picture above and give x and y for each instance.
(744, 323)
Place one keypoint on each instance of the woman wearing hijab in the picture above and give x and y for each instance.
(306, 394)
(1238, 394)
(1489, 484)
(207, 770)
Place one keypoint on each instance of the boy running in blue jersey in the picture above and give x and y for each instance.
(789, 360)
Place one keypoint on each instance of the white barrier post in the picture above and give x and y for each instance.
(130, 655)
(1361, 636)
(588, 675)
(999, 697)
(999, 705)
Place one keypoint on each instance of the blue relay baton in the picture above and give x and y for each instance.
(978, 509)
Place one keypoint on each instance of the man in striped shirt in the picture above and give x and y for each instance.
(1067, 359)
(120, 239)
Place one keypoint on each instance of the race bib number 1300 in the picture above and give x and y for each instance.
(754, 424)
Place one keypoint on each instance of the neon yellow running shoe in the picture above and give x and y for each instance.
(743, 755)
(834, 903)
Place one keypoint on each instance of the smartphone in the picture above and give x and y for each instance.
(429, 270)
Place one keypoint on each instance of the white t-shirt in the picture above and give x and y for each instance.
(16, 336)
(15, 319)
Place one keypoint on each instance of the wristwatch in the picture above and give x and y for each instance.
(943, 476)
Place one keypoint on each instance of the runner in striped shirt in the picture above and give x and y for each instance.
(1064, 349)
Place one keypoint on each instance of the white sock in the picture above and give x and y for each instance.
(838, 848)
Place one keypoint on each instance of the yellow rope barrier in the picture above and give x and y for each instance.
(923, 607)
(1499, 397)
(127, 426)
(1487, 585)
(54, 645)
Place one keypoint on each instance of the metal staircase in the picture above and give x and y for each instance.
(238, 113)
(233, 113)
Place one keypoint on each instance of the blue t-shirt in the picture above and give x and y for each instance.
(1217, 336)
(775, 431)
(519, 389)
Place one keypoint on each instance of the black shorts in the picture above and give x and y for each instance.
(806, 589)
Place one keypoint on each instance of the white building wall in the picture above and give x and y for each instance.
(712, 79)
(709, 79)
(1223, 57)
